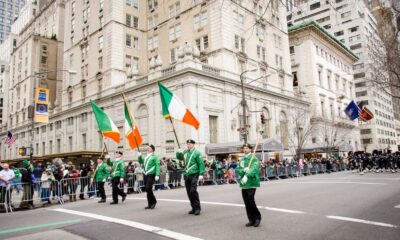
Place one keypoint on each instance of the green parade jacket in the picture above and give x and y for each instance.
(194, 163)
(102, 173)
(118, 167)
(151, 164)
(253, 175)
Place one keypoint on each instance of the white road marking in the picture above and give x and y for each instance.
(310, 182)
(145, 227)
(352, 178)
(362, 221)
(227, 204)
(398, 206)
(284, 210)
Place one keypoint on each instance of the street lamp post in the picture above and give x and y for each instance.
(35, 85)
(245, 132)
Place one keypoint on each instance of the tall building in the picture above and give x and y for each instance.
(9, 11)
(353, 24)
(321, 68)
(201, 50)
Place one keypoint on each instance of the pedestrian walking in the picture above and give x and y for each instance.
(100, 175)
(248, 170)
(151, 165)
(117, 176)
(193, 172)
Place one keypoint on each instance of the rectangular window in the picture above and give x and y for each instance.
(128, 20)
(136, 42)
(100, 42)
(213, 123)
(346, 14)
(315, 6)
(128, 40)
(172, 55)
(200, 20)
(135, 23)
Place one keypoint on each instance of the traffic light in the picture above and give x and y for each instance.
(22, 151)
(262, 118)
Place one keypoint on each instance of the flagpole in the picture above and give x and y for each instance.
(130, 117)
(173, 128)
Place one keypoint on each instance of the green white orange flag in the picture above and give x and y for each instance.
(173, 107)
(105, 124)
(132, 133)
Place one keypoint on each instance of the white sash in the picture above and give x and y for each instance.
(188, 164)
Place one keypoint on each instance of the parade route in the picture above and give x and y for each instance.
(330, 206)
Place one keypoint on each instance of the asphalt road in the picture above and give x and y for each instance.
(329, 206)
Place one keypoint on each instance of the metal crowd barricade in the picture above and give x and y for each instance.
(281, 172)
(73, 187)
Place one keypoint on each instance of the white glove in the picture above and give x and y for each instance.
(180, 150)
(246, 169)
(107, 156)
(104, 180)
(244, 180)
(139, 154)
(157, 178)
(121, 181)
(201, 178)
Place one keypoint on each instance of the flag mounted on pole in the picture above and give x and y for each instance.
(105, 124)
(10, 139)
(364, 113)
(352, 110)
(172, 107)
(132, 133)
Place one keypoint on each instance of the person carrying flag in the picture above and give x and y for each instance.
(100, 175)
(248, 169)
(151, 165)
(193, 172)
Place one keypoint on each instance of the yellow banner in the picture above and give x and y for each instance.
(41, 105)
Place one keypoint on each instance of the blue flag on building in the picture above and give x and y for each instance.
(352, 110)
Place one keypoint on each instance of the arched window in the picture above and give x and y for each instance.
(142, 121)
(284, 129)
(266, 126)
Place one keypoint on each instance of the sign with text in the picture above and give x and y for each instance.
(41, 105)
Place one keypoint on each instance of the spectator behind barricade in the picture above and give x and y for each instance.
(58, 173)
(47, 179)
(84, 180)
(17, 180)
(27, 181)
(163, 173)
(139, 178)
(37, 171)
(130, 179)
(171, 167)
(6, 177)
(92, 184)
(72, 181)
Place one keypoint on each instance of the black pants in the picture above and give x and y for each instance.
(116, 190)
(102, 193)
(148, 183)
(251, 208)
(191, 190)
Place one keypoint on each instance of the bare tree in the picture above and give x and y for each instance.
(384, 50)
(331, 135)
(301, 129)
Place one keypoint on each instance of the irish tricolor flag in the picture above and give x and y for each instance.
(106, 125)
(132, 133)
(173, 107)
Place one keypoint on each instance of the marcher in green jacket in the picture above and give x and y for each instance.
(249, 171)
(151, 165)
(117, 176)
(193, 172)
(100, 175)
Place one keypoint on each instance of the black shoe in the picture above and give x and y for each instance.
(257, 223)
(153, 206)
(191, 212)
(147, 207)
(197, 212)
(123, 198)
(102, 201)
(111, 203)
(249, 224)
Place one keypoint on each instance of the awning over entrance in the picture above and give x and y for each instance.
(65, 156)
(345, 147)
(266, 145)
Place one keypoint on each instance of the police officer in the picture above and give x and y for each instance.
(193, 172)
(100, 175)
(248, 170)
(117, 176)
(151, 165)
